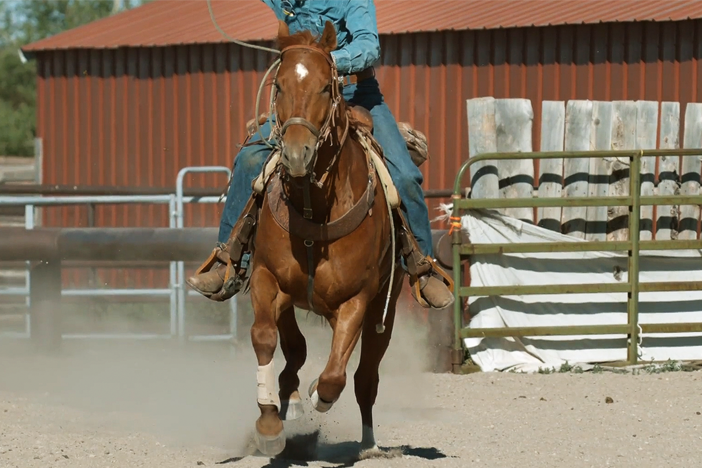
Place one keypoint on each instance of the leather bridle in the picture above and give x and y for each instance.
(322, 133)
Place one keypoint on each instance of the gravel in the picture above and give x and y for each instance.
(160, 405)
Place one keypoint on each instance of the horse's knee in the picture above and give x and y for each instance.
(331, 384)
(297, 359)
(366, 385)
(264, 338)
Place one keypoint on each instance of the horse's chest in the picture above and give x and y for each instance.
(340, 269)
(332, 271)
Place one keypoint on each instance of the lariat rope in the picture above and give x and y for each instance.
(241, 43)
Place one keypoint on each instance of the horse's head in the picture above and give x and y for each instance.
(306, 96)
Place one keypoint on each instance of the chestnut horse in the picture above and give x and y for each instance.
(323, 243)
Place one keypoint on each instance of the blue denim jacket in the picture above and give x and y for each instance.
(354, 20)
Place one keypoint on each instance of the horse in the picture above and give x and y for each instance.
(337, 259)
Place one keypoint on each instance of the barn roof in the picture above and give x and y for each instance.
(176, 22)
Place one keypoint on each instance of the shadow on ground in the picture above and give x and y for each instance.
(302, 449)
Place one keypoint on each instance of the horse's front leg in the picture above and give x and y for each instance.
(346, 325)
(373, 348)
(294, 347)
(270, 437)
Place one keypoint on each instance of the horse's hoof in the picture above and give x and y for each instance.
(313, 387)
(270, 446)
(368, 440)
(318, 404)
(369, 452)
(291, 409)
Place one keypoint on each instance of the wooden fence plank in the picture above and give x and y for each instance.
(598, 181)
(623, 137)
(692, 138)
(513, 124)
(482, 139)
(551, 170)
(646, 133)
(668, 172)
(578, 130)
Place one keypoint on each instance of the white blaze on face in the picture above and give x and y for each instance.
(301, 71)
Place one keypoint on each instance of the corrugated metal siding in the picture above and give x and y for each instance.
(427, 78)
(136, 116)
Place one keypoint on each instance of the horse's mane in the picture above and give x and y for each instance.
(299, 38)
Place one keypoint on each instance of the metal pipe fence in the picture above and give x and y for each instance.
(175, 292)
(461, 249)
(30, 198)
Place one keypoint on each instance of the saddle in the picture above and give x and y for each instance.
(371, 147)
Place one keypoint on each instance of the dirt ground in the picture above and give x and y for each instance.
(164, 405)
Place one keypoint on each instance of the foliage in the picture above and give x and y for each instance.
(23, 22)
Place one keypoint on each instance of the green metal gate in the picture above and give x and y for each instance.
(633, 245)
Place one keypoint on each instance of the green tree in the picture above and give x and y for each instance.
(22, 22)
(17, 104)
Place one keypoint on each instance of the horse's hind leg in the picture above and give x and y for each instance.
(269, 435)
(294, 347)
(373, 347)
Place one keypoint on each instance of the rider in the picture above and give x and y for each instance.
(358, 48)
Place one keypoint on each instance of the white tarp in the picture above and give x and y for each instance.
(528, 354)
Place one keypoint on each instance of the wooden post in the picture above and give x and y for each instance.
(513, 123)
(551, 170)
(690, 214)
(482, 139)
(646, 133)
(623, 137)
(668, 172)
(45, 305)
(38, 176)
(578, 130)
(598, 181)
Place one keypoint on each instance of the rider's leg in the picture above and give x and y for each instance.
(406, 177)
(247, 166)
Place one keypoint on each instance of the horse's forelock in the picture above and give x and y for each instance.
(299, 38)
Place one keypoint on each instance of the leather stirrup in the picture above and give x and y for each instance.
(232, 252)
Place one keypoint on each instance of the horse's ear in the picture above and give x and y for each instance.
(328, 40)
(283, 29)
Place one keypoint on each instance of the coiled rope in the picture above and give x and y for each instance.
(263, 81)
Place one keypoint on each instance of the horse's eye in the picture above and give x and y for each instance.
(327, 89)
(277, 87)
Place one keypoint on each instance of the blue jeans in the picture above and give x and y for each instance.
(405, 175)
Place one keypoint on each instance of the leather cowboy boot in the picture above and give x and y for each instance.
(430, 285)
(210, 282)
(434, 290)
(225, 272)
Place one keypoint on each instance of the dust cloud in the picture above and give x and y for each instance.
(205, 393)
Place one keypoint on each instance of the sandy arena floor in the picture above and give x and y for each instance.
(160, 405)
